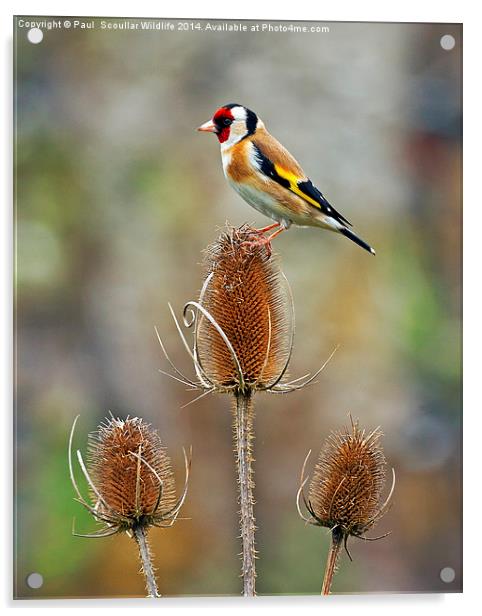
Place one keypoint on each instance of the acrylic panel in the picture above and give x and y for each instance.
(165, 401)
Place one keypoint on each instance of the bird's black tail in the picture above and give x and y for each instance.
(354, 238)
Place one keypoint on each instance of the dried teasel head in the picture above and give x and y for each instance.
(243, 322)
(347, 484)
(246, 295)
(130, 477)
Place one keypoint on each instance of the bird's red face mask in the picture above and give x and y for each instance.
(220, 124)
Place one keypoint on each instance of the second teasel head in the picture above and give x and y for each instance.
(130, 477)
(131, 470)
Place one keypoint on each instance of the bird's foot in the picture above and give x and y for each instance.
(258, 242)
(261, 240)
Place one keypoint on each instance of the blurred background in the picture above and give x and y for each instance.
(117, 196)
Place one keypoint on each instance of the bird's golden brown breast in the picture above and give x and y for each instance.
(239, 165)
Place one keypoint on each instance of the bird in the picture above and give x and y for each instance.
(269, 178)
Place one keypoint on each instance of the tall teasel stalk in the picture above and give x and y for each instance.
(345, 491)
(243, 331)
(131, 484)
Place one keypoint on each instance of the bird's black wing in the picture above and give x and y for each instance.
(301, 186)
(309, 190)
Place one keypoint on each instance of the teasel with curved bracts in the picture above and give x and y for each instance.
(131, 484)
(345, 491)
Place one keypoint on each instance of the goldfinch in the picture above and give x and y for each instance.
(267, 176)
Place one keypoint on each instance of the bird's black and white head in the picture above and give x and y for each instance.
(232, 123)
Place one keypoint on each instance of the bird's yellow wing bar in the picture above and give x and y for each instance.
(296, 185)
(304, 188)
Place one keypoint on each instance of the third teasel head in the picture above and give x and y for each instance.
(345, 492)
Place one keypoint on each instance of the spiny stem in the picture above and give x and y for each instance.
(336, 541)
(243, 437)
(145, 555)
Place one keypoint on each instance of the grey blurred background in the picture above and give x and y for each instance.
(116, 197)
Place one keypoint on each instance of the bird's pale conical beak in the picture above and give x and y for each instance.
(208, 127)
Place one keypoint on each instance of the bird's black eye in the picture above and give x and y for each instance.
(227, 121)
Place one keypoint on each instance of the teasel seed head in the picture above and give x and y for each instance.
(247, 297)
(243, 321)
(128, 464)
(130, 477)
(345, 491)
(348, 480)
